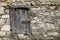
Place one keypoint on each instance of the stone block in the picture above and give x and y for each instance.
(21, 36)
(7, 11)
(0, 38)
(13, 0)
(56, 0)
(5, 16)
(33, 21)
(45, 35)
(58, 14)
(5, 28)
(2, 33)
(6, 39)
(53, 33)
(2, 21)
(2, 4)
(1, 10)
(8, 33)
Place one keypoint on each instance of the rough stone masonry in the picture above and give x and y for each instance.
(4, 22)
(45, 22)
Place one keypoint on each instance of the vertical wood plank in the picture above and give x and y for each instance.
(19, 21)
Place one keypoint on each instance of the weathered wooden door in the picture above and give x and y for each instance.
(19, 20)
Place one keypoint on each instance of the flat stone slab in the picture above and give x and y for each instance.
(2, 21)
(5, 16)
(2, 33)
(5, 28)
(2, 4)
(1, 10)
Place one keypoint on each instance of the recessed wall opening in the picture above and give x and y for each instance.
(19, 20)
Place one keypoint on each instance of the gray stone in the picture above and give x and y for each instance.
(0, 38)
(42, 25)
(22, 0)
(58, 22)
(7, 11)
(2, 21)
(52, 7)
(45, 35)
(0, 16)
(1, 10)
(35, 33)
(53, 33)
(52, 26)
(21, 36)
(13, 0)
(2, 33)
(58, 14)
(47, 25)
(46, 20)
(6, 39)
(2, 4)
(33, 21)
(8, 33)
(0, 26)
(35, 18)
(35, 28)
(5, 16)
(5, 28)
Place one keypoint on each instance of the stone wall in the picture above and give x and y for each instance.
(45, 22)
